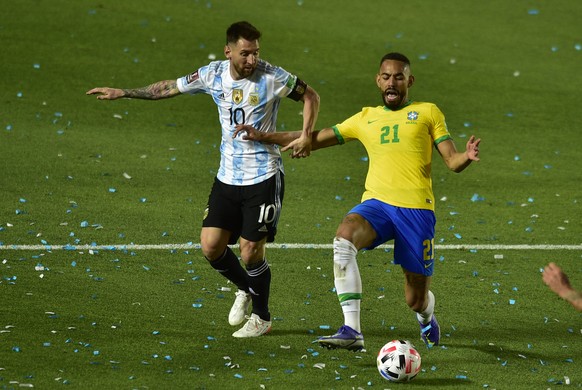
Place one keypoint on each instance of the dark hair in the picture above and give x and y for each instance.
(242, 30)
(397, 57)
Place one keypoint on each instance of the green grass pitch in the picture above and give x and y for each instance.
(101, 280)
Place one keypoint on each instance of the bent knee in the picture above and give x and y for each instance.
(417, 304)
(212, 252)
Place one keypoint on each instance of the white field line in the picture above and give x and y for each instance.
(186, 246)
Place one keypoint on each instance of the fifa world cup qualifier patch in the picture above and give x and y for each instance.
(192, 77)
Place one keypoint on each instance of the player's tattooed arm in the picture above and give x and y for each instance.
(160, 90)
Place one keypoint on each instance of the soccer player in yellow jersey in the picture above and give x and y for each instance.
(398, 202)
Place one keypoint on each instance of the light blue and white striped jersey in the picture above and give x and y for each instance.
(253, 101)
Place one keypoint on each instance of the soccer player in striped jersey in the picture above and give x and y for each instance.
(245, 200)
(398, 201)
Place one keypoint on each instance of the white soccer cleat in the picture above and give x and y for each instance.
(254, 327)
(239, 308)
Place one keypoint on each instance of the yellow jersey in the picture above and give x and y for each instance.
(399, 146)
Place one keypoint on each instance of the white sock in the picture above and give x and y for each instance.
(426, 315)
(348, 283)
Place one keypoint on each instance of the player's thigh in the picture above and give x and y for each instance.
(414, 240)
(367, 224)
(223, 211)
(261, 209)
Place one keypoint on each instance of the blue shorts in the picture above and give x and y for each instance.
(411, 229)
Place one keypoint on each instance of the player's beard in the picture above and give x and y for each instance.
(245, 71)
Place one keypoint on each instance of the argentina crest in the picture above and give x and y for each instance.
(237, 96)
(254, 99)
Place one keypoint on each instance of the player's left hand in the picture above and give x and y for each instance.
(472, 148)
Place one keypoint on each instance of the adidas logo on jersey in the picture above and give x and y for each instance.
(263, 229)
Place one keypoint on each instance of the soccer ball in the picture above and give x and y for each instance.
(398, 361)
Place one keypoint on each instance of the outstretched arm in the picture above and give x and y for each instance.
(319, 139)
(557, 280)
(458, 161)
(160, 90)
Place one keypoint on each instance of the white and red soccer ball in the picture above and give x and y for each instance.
(398, 361)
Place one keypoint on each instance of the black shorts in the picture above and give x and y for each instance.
(251, 212)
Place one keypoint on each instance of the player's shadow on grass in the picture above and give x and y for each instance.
(501, 352)
(436, 383)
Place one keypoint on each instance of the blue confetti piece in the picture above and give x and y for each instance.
(457, 235)
(516, 158)
(112, 190)
(238, 376)
(533, 11)
(324, 327)
(197, 305)
(477, 198)
(512, 301)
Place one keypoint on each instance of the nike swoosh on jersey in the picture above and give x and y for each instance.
(375, 120)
